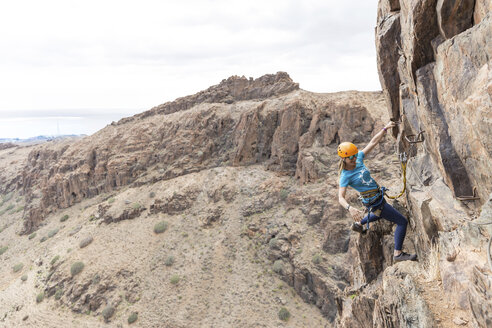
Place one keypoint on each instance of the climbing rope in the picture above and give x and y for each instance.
(403, 163)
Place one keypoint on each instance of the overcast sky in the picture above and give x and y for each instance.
(66, 60)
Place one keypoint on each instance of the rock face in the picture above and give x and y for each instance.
(439, 84)
(454, 16)
(388, 34)
(255, 159)
(228, 91)
(246, 190)
(482, 8)
(292, 134)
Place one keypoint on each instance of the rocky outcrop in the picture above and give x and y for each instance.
(228, 91)
(464, 78)
(419, 27)
(444, 96)
(388, 33)
(400, 304)
(392, 301)
(293, 133)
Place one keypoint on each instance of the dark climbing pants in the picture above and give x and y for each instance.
(390, 214)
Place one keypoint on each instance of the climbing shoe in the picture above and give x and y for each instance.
(357, 227)
(405, 257)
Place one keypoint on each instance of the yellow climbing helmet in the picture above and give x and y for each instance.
(346, 149)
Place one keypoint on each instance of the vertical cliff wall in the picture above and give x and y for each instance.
(434, 60)
(435, 68)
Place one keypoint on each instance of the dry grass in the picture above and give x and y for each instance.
(431, 264)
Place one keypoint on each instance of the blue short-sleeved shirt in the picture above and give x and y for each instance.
(359, 178)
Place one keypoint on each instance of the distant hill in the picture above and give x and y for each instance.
(39, 139)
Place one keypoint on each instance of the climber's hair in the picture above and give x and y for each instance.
(341, 166)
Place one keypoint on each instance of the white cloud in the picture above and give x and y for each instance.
(135, 55)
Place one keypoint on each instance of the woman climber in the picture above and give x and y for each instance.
(354, 173)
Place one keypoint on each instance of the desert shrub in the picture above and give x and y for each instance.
(96, 279)
(53, 232)
(20, 208)
(74, 230)
(43, 239)
(278, 266)
(76, 268)
(31, 236)
(3, 249)
(152, 194)
(40, 297)
(133, 317)
(136, 206)
(175, 279)
(24, 277)
(86, 241)
(11, 206)
(169, 260)
(317, 259)
(17, 267)
(283, 194)
(273, 243)
(160, 227)
(64, 218)
(56, 258)
(108, 312)
(58, 294)
(111, 200)
(7, 197)
(283, 314)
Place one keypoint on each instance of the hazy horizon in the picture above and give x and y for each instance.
(58, 122)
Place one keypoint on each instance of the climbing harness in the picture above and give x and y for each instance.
(376, 205)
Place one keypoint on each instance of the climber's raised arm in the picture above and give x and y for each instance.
(375, 140)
